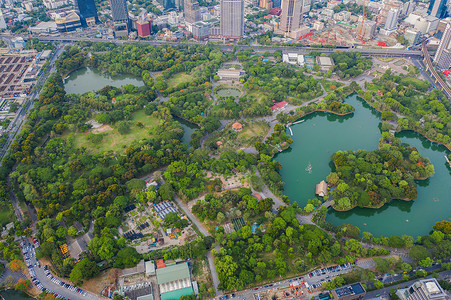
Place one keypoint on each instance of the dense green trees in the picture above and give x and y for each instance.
(373, 178)
(350, 64)
(84, 270)
(406, 95)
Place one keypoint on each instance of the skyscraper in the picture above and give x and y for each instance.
(2, 21)
(392, 19)
(87, 11)
(120, 17)
(291, 15)
(192, 12)
(443, 54)
(438, 8)
(232, 19)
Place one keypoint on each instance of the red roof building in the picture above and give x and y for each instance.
(276, 11)
(160, 264)
(279, 106)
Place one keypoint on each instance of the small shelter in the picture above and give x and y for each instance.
(321, 189)
(237, 127)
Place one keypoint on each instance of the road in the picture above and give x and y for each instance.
(56, 288)
(15, 126)
(386, 291)
(204, 231)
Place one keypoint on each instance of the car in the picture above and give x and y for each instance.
(256, 288)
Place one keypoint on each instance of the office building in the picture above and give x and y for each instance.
(438, 8)
(120, 17)
(87, 11)
(144, 27)
(349, 292)
(67, 21)
(232, 19)
(426, 289)
(167, 4)
(291, 15)
(443, 55)
(192, 11)
(411, 36)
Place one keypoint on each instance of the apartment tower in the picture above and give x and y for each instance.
(232, 19)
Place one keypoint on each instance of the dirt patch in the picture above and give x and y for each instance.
(96, 284)
(102, 128)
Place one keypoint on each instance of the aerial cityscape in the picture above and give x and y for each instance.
(219, 149)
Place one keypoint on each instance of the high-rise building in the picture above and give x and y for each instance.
(266, 4)
(167, 4)
(120, 17)
(144, 27)
(192, 11)
(391, 23)
(443, 55)
(87, 11)
(438, 8)
(232, 19)
(291, 15)
(426, 289)
(2, 21)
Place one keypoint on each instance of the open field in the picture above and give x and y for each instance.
(179, 78)
(113, 140)
(252, 132)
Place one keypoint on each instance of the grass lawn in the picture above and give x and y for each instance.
(6, 215)
(115, 141)
(254, 129)
(179, 78)
(385, 59)
(252, 132)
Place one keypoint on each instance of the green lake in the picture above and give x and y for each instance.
(14, 295)
(322, 134)
(89, 80)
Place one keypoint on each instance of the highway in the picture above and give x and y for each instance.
(386, 52)
(444, 87)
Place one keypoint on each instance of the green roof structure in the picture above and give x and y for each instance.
(175, 295)
(173, 273)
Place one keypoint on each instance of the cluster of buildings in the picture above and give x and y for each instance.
(165, 280)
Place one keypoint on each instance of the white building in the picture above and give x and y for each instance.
(412, 36)
(422, 22)
(53, 4)
(426, 289)
(293, 58)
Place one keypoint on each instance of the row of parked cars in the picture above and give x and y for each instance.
(28, 251)
(332, 269)
(62, 283)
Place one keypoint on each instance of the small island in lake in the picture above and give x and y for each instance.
(373, 178)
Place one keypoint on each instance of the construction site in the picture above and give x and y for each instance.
(296, 290)
(17, 73)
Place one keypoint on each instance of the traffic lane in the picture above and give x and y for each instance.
(386, 290)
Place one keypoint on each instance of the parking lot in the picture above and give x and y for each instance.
(44, 280)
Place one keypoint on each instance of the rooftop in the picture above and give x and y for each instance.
(173, 273)
(353, 289)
